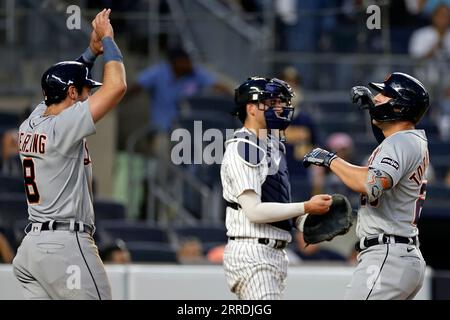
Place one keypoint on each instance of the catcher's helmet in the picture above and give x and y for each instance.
(409, 97)
(257, 89)
(58, 78)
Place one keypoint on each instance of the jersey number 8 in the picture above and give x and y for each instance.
(29, 176)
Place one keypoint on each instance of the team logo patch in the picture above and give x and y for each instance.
(391, 162)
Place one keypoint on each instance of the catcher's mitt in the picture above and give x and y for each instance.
(337, 221)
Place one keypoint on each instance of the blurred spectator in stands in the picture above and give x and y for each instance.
(301, 136)
(291, 75)
(314, 251)
(215, 254)
(431, 46)
(323, 181)
(190, 251)
(169, 82)
(406, 13)
(10, 161)
(444, 116)
(250, 10)
(115, 253)
(447, 178)
(6, 252)
(427, 7)
(304, 19)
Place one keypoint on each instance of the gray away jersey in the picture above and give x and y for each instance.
(404, 156)
(57, 166)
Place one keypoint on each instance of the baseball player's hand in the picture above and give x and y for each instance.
(102, 26)
(318, 204)
(319, 157)
(362, 96)
(96, 44)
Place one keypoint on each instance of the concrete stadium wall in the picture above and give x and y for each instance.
(199, 282)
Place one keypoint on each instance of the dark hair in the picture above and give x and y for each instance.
(176, 53)
(107, 250)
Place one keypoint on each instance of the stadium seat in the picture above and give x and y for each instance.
(437, 195)
(209, 236)
(430, 128)
(9, 120)
(13, 207)
(9, 184)
(108, 210)
(210, 103)
(151, 252)
(132, 231)
(203, 233)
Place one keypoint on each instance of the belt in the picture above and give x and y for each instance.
(370, 241)
(274, 243)
(58, 225)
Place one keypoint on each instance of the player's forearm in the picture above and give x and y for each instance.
(114, 77)
(352, 176)
(267, 212)
(114, 82)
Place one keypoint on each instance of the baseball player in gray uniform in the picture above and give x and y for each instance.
(58, 258)
(392, 187)
(255, 180)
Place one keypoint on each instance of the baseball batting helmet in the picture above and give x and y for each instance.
(409, 98)
(58, 78)
(257, 89)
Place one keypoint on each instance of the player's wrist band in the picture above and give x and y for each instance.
(110, 50)
(88, 56)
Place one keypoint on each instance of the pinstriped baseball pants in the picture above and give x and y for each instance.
(255, 271)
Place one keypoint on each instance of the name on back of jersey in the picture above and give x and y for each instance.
(32, 142)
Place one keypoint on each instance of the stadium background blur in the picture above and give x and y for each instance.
(165, 213)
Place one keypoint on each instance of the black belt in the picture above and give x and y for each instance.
(274, 243)
(385, 238)
(58, 225)
(233, 205)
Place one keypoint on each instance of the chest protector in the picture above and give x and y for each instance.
(276, 187)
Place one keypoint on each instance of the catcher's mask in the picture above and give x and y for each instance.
(274, 94)
(409, 101)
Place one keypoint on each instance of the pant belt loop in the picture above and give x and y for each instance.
(361, 243)
(81, 226)
(72, 225)
(380, 238)
(50, 224)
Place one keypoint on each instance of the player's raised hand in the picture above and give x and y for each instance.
(318, 204)
(362, 96)
(319, 157)
(102, 25)
(96, 44)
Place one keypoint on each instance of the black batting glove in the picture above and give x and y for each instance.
(319, 157)
(362, 96)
